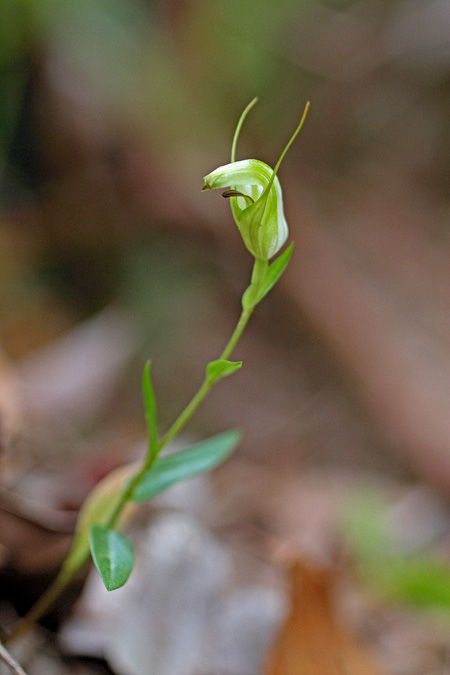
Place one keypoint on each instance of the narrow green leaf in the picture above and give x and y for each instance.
(112, 554)
(215, 370)
(150, 410)
(419, 577)
(274, 272)
(197, 459)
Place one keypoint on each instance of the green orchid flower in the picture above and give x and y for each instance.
(256, 197)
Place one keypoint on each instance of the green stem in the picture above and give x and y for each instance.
(258, 273)
(127, 493)
(187, 413)
(190, 409)
(192, 406)
(67, 573)
(259, 270)
(239, 127)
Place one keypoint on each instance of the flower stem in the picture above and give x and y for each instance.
(258, 273)
(66, 574)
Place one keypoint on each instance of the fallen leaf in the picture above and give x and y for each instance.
(312, 640)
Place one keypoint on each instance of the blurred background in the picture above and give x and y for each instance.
(111, 112)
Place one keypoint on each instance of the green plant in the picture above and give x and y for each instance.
(418, 577)
(257, 207)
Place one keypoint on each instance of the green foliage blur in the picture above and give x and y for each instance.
(111, 111)
(173, 76)
(174, 66)
(419, 577)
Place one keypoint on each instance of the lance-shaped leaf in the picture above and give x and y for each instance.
(112, 554)
(273, 274)
(197, 459)
(216, 370)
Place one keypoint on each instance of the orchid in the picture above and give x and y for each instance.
(256, 197)
(257, 207)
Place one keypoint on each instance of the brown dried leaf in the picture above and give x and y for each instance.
(313, 641)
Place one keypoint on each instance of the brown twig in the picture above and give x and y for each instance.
(10, 661)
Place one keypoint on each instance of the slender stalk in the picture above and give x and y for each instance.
(258, 273)
(206, 385)
(243, 320)
(187, 413)
(291, 140)
(10, 661)
(180, 422)
(130, 487)
(66, 574)
(239, 127)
